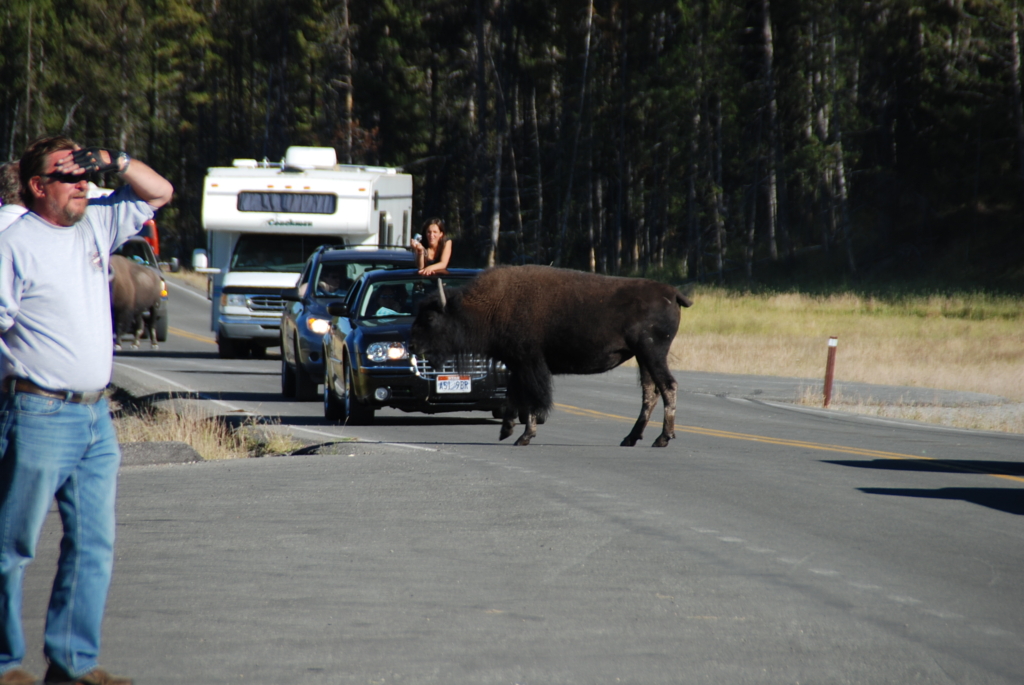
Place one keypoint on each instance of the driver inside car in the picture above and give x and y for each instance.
(390, 301)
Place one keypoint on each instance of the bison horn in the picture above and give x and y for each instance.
(440, 290)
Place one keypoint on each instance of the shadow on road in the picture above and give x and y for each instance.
(988, 468)
(1010, 500)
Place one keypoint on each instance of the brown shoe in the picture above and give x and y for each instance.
(17, 676)
(55, 675)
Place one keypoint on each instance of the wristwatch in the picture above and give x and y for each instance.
(123, 160)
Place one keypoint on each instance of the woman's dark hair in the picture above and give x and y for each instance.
(434, 220)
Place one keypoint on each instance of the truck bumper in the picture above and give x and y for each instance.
(244, 328)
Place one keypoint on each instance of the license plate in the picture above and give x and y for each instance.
(454, 384)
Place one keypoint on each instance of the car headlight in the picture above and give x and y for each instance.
(386, 351)
(237, 300)
(318, 326)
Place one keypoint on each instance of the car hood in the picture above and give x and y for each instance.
(386, 327)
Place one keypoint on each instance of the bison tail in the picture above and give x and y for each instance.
(683, 300)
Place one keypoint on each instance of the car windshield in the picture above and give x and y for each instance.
(272, 252)
(138, 251)
(400, 298)
(334, 279)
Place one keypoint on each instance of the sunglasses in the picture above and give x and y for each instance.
(64, 178)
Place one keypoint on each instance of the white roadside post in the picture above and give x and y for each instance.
(830, 368)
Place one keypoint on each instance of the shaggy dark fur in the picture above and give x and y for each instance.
(134, 289)
(540, 321)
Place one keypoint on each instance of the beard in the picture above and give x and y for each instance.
(72, 216)
(68, 214)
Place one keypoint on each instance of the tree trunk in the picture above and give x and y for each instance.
(576, 139)
(774, 152)
(347, 67)
(693, 232)
(539, 161)
(591, 241)
(717, 204)
(620, 199)
(1018, 105)
(844, 207)
(28, 78)
(496, 203)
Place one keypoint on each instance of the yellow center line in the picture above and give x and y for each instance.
(191, 336)
(728, 435)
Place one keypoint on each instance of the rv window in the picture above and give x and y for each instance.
(275, 252)
(287, 203)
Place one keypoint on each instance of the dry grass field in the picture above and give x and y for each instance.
(972, 342)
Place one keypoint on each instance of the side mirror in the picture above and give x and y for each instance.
(337, 309)
(290, 294)
(201, 263)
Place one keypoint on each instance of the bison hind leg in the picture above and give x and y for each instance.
(531, 431)
(668, 431)
(508, 421)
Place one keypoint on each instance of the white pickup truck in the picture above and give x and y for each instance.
(264, 219)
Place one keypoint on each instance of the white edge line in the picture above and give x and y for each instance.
(357, 441)
(299, 428)
(903, 423)
(204, 396)
(186, 289)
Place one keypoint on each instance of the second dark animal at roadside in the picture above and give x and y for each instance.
(541, 321)
(134, 290)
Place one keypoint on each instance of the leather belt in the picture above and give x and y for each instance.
(14, 385)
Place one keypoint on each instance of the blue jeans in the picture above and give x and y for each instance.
(52, 448)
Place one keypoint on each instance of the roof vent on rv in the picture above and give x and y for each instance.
(299, 157)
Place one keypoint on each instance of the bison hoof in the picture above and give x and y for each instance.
(155, 347)
(505, 432)
(661, 441)
(628, 441)
(523, 441)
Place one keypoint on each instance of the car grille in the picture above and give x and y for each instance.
(266, 303)
(473, 365)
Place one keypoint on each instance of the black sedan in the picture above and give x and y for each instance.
(368, 364)
(326, 278)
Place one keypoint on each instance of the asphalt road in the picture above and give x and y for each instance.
(767, 544)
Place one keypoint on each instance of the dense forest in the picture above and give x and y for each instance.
(702, 139)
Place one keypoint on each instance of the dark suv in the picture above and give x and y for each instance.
(326, 278)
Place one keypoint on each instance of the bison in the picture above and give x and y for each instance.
(541, 320)
(134, 289)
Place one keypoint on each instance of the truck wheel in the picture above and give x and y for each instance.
(357, 413)
(287, 378)
(227, 348)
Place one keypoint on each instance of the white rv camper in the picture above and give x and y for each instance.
(264, 219)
